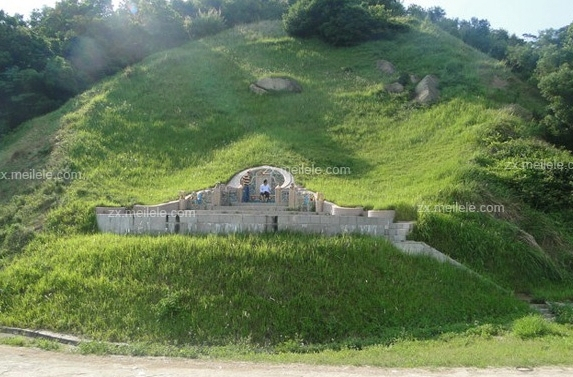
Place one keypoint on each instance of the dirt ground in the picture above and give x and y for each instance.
(29, 362)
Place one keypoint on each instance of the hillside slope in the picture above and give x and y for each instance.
(185, 119)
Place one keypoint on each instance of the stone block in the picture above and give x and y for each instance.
(342, 211)
(382, 214)
(365, 221)
(231, 218)
(249, 219)
(347, 220)
(316, 219)
(301, 219)
(348, 229)
(330, 220)
(260, 219)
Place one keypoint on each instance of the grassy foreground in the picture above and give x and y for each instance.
(480, 346)
(264, 290)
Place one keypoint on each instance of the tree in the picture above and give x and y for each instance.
(436, 14)
(416, 11)
(337, 22)
(476, 33)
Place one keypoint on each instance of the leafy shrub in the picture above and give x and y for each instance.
(532, 326)
(536, 173)
(337, 22)
(563, 312)
(170, 306)
(205, 23)
(485, 331)
(248, 11)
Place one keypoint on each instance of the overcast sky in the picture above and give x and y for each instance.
(515, 16)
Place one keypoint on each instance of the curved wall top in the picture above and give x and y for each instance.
(282, 177)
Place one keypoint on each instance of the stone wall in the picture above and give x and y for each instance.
(169, 219)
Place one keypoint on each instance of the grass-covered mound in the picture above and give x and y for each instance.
(185, 119)
(264, 289)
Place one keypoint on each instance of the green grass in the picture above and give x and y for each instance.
(480, 346)
(185, 119)
(213, 290)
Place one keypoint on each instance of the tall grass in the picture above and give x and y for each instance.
(212, 290)
(184, 119)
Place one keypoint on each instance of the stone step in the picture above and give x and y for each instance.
(544, 310)
(408, 225)
(539, 307)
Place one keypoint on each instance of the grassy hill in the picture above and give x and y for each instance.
(185, 119)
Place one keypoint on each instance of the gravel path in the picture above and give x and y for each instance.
(30, 362)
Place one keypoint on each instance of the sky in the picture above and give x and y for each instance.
(515, 16)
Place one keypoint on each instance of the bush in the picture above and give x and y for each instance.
(563, 313)
(205, 23)
(337, 22)
(248, 11)
(532, 326)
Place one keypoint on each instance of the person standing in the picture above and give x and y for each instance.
(265, 191)
(246, 182)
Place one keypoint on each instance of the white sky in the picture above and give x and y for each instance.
(515, 16)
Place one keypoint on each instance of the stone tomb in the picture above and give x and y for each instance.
(224, 209)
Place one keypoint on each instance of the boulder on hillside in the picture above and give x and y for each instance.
(427, 90)
(395, 88)
(386, 67)
(257, 90)
(275, 84)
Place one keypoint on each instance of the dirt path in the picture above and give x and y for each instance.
(28, 362)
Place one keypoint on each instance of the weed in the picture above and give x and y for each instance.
(532, 326)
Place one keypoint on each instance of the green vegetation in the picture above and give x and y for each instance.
(62, 50)
(184, 119)
(217, 290)
(340, 23)
(533, 326)
(481, 346)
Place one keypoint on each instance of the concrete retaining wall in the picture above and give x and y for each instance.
(168, 220)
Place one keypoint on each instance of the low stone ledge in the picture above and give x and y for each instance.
(382, 214)
(60, 338)
(343, 211)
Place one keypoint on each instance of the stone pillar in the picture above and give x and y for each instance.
(182, 201)
(292, 202)
(319, 202)
(278, 196)
(217, 196)
(240, 194)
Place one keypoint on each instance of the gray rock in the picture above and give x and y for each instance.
(427, 90)
(386, 67)
(276, 84)
(395, 88)
(257, 90)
